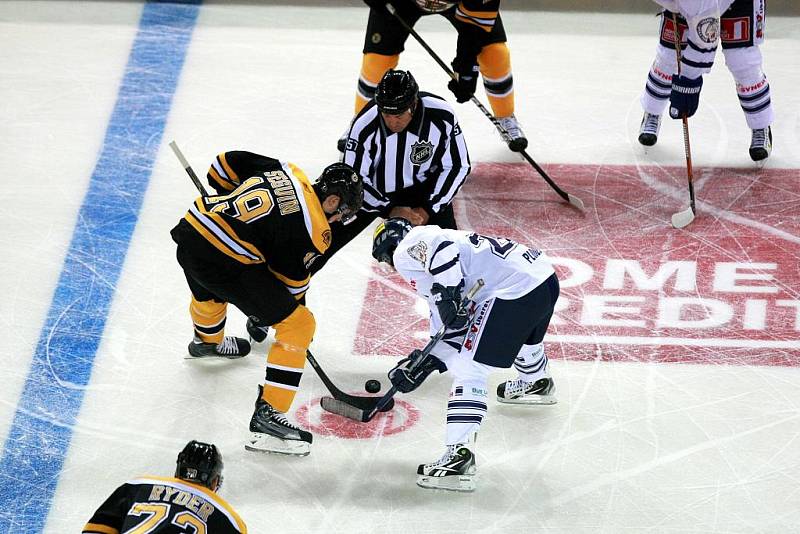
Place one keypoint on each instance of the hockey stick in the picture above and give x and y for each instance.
(683, 218)
(360, 402)
(365, 415)
(188, 168)
(575, 201)
(366, 403)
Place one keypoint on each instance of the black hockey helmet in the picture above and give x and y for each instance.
(340, 179)
(387, 236)
(200, 463)
(397, 91)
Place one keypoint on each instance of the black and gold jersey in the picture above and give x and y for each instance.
(479, 13)
(164, 505)
(266, 212)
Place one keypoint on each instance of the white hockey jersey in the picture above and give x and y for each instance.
(430, 254)
(702, 17)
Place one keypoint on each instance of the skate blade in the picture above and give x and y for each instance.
(539, 400)
(214, 357)
(463, 483)
(271, 445)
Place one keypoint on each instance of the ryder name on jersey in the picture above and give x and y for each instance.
(155, 504)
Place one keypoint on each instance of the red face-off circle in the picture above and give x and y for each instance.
(313, 418)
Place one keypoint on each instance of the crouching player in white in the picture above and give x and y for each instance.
(505, 325)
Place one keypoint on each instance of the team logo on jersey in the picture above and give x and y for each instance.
(310, 258)
(376, 38)
(419, 252)
(708, 29)
(421, 151)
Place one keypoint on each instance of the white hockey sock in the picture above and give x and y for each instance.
(465, 410)
(752, 86)
(754, 97)
(531, 363)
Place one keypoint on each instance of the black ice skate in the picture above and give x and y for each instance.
(271, 432)
(648, 130)
(455, 471)
(518, 391)
(516, 137)
(761, 143)
(256, 332)
(230, 348)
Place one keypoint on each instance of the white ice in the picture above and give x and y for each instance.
(630, 447)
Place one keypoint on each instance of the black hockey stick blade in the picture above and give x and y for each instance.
(683, 218)
(361, 409)
(366, 403)
(345, 409)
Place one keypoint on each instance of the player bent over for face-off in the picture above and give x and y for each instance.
(253, 247)
(505, 326)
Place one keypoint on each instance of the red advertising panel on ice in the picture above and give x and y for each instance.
(725, 289)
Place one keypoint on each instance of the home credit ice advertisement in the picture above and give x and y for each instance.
(722, 290)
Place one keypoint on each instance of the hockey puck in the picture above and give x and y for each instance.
(372, 386)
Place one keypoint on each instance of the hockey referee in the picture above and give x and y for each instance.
(408, 148)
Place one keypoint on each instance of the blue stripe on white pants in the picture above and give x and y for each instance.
(41, 431)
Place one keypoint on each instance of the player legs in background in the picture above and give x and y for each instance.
(384, 41)
(481, 48)
(494, 64)
(741, 33)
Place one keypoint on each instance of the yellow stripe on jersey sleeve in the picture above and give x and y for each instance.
(290, 282)
(227, 186)
(297, 288)
(317, 220)
(482, 19)
(95, 528)
(224, 162)
(217, 232)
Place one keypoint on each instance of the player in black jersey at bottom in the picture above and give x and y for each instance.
(186, 503)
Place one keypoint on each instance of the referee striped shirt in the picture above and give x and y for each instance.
(423, 166)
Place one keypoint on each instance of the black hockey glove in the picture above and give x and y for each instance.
(685, 96)
(406, 379)
(448, 303)
(467, 72)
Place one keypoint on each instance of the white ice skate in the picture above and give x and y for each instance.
(455, 471)
(518, 391)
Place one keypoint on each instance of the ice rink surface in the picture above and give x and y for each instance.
(675, 352)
